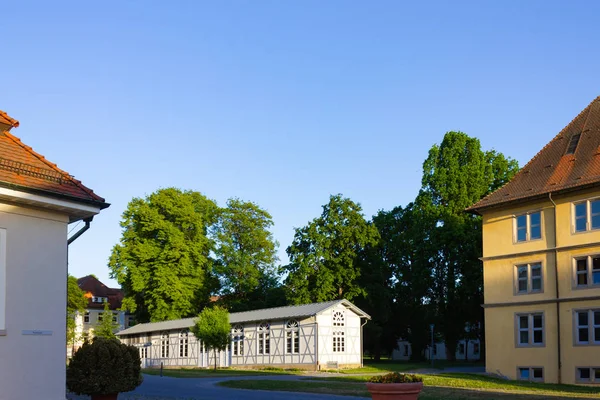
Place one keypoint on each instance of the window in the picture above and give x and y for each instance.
(587, 271)
(529, 278)
(405, 350)
(99, 299)
(2, 282)
(476, 348)
(588, 375)
(339, 344)
(534, 374)
(586, 215)
(114, 317)
(263, 338)
(238, 340)
(587, 327)
(461, 348)
(530, 329)
(338, 318)
(292, 340)
(183, 344)
(573, 143)
(164, 345)
(528, 226)
(143, 352)
(86, 317)
(99, 317)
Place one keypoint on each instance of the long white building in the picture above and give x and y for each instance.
(311, 336)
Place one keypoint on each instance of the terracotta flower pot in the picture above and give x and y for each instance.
(395, 391)
(112, 396)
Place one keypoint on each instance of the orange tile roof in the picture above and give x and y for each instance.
(22, 168)
(552, 170)
(5, 119)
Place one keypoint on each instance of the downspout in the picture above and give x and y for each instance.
(81, 231)
(557, 291)
(361, 342)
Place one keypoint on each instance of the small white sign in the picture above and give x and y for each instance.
(37, 332)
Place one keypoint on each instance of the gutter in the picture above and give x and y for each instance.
(361, 342)
(559, 358)
(81, 231)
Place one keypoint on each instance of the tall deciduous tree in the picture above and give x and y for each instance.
(323, 256)
(456, 174)
(107, 326)
(162, 261)
(76, 303)
(213, 329)
(245, 250)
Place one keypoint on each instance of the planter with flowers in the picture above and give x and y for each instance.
(395, 386)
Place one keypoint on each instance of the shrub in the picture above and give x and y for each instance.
(105, 366)
(395, 377)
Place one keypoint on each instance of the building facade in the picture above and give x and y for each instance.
(541, 260)
(37, 202)
(465, 351)
(311, 336)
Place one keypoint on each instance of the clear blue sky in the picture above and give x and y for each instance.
(284, 102)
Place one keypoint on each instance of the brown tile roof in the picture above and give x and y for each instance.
(22, 167)
(6, 120)
(552, 170)
(94, 288)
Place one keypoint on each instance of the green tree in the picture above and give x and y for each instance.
(213, 329)
(162, 261)
(107, 326)
(245, 251)
(76, 303)
(323, 255)
(456, 174)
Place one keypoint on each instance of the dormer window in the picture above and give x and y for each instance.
(96, 299)
(573, 143)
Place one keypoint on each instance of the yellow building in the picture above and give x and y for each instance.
(541, 260)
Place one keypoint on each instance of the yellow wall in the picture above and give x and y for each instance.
(501, 253)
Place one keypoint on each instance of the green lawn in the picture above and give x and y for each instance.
(376, 367)
(211, 373)
(437, 387)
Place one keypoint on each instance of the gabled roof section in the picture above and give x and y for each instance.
(266, 314)
(570, 161)
(94, 288)
(21, 168)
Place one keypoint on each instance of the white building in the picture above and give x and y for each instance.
(468, 351)
(311, 336)
(37, 202)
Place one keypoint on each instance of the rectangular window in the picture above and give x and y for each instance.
(587, 271)
(2, 282)
(530, 329)
(586, 215)
(86, 317)
(405, 350)
(292, 342)
(587, 327)
(590, 375)
(529, 278)
(532, 374)
(99, 317)
(528, 226)
(115, 316)
(339, 345)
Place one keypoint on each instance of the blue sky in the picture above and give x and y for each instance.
(284, 103)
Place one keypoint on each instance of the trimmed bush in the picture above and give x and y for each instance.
(105, 366)
(395, 377)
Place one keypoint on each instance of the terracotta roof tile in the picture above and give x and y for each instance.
(5, 119)
(20, 165)
(552, 169)
(93, 287)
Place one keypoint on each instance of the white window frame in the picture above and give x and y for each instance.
(588, 215)
(86, 316)
(164, 345)
(592, 380)
(292, 337)
(183, 344)
(589, 272)
(3, 282)
(531, 378)
(237, 340)
(591, 326)
(529, 329)
(339, 342)
(263, 342)
(529, 278)
(527, 216)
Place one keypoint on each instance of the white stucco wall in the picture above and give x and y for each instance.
(36, 270)
(352, 336)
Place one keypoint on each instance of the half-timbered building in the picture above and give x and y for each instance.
(310, 336)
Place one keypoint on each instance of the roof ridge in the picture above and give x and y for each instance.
(13, 122)
(290, 306)
(68, 177)
(523, 169)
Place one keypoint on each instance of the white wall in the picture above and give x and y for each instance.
(33, 366)
(404, 351)
(352, 336)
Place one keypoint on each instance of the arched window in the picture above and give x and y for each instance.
(263, 338)
(292, 337)
(237, 335)
(339, 342)
(164, 345)
(183, 343)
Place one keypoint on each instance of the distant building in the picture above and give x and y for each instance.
(97, 294)
(310, 336)
(541, 261)
(465, 351)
